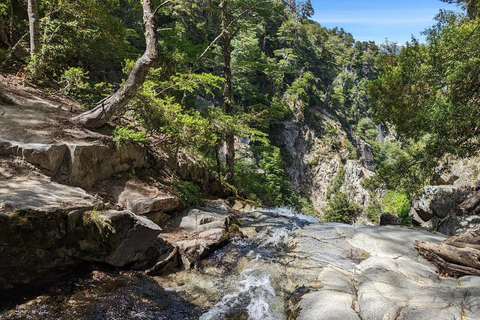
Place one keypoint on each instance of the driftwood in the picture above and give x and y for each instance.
(457, 256)
(469, 205)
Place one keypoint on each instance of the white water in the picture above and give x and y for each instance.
(254, 288)
(288, 212)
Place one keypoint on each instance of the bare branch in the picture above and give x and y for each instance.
(228, 27)
(210, 46)
(161, 5)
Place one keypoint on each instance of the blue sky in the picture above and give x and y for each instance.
(379, 19)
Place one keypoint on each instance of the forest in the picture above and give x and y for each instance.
(215, 70)
(190, 155)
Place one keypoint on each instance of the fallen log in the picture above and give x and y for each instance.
(471, 236)
(457, 259)
(469, 205)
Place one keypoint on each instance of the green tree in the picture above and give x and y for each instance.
(339, 209)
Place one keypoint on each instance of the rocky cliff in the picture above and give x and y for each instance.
(326, 158)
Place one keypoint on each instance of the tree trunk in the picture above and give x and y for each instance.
(228, 91)
(34, 29)
(469, 205)
(456, 256)
(455, 260)
(100, 115)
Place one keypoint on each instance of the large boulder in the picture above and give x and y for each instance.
(49, 157)
(90, 163)
(126, 238)
(34, 243)
(199, 231)
(437, 203)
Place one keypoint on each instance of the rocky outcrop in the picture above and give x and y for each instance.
(318, 157)
(437, 208)
(146, 201)
(438, 202)
(47, 156)
(45, 226)
(452, 203)
(34, 243)
(198, 232)
(352, 186)
(374, 273)
(90, 163)
(80, 165)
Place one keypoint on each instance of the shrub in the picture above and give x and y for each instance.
(74, 82)
(339, 209)
(189, 192)
(305, 206)
(126, 134)
(399, 204)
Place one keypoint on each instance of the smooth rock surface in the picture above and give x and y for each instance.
(43, 195)
(90, 163)
(374, 273)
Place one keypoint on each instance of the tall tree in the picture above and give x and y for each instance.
(34, 28)
(227, 90)
(100, 115)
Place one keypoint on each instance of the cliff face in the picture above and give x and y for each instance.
(326, 158)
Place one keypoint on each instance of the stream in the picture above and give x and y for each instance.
(288, 266)
(243, 280)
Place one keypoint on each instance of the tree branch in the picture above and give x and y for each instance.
(200, 57)
(161, 5)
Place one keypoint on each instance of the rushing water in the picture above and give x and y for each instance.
(244, 280)
(247, 273)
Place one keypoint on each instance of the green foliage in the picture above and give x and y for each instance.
(399, 204)
(373, 210)
(189, 192)
(74, 81)
(305, 206)
(95, 219)
(403, 214)
(430, 93)
(125, 135)
(264, 179)
(337, 182)
(339, 209)
(392, 201)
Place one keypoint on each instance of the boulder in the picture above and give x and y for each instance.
(47, 156)
(162, 203)
(90, 163)
(457, 225)
(127, 244)
(199, 232)
(438, 202)
(40, 194)
(35, 243)
(388, 219)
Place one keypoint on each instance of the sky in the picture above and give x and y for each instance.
(377, 20)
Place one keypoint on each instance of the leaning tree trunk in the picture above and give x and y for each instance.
(228, 91)
(100, 115)
(34, 29)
